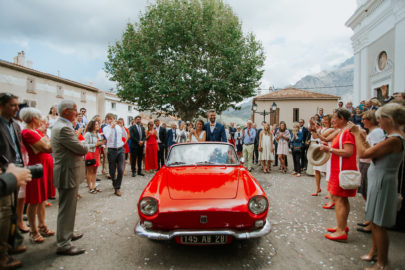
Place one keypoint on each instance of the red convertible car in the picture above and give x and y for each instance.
(203, 196)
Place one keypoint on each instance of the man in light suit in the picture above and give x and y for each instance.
(68, 172)
(215, 131)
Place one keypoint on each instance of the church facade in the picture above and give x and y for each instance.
(379, 48)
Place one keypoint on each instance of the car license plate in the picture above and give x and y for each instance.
(204, 239)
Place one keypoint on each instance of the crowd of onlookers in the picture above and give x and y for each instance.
(368, 138)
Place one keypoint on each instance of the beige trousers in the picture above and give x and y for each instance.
(66, 217)
(248, 155)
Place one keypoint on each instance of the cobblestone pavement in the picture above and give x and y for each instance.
(296, 240)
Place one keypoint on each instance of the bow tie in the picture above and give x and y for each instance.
(212, 125)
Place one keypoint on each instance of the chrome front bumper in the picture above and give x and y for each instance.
(163, 235)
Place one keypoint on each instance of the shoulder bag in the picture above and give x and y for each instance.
(89, 158)
(349, 179)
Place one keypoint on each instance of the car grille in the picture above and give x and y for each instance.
(203, 220)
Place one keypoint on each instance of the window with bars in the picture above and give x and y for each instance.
(59, 91)
(31, 85)
(83, 95)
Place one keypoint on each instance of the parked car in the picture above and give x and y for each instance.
(203, 196)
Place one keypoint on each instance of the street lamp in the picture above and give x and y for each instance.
(264, 113)
(274, 108)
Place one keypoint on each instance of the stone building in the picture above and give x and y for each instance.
(379, 47)
(43, 90)
(291, 104)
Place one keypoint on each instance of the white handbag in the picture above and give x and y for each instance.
(349, 179)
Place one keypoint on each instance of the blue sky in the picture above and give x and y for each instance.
(72, 37)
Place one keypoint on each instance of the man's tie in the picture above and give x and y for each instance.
(139, 131)
(115, 138)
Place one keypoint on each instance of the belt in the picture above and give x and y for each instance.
(115, 149)
(248, 143)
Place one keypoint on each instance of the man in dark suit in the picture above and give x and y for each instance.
(162, 134)
(305, 137)
(215, 131)
(257, 139)
(10, 152)
(232, 130)
(172, 135)
(138, 138)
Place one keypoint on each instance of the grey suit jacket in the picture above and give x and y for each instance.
(68, 151)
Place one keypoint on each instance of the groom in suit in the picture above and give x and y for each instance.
(69, 172)
(215, 131)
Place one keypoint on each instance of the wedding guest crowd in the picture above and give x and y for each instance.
(71, 147)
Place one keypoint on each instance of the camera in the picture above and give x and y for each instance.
(36, 170)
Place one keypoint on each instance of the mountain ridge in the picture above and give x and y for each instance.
(336, 81)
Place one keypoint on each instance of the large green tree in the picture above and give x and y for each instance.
(185, 57)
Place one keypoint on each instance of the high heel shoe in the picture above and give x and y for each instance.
(379, 267)
(35, 237)
(22, 230)
(342, 237)
(328, 207)
(332, 230)
(316, 193)
(45, 231)
(368, 258)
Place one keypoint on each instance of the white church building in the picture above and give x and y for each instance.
(379, 47)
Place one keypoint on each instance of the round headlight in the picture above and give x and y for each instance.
(258, 204)
(148, 206)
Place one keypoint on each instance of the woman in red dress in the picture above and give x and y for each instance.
(38, 191)
(348, 155)
(151, 160)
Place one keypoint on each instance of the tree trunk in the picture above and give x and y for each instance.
(188, 115)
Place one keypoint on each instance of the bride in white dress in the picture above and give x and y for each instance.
(197, 134)
(266, 149)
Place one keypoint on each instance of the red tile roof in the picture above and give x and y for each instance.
(294, 93)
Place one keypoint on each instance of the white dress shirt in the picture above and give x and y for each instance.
(110, 136)
(157, 131)
(212, 126)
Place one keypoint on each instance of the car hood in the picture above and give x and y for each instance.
(203, 182)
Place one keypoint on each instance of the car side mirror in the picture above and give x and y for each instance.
(242, 160)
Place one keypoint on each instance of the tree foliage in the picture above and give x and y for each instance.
(185, 57)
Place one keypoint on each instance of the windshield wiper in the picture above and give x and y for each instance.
(206, 163)
(177, 163)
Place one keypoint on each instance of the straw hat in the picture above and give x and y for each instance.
(316, 156)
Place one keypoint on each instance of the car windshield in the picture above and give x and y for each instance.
(202, 154)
